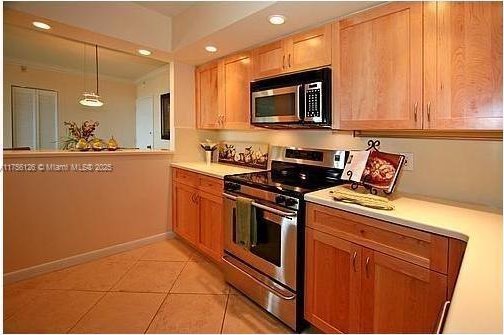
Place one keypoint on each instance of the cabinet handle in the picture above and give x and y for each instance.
(289, 61)
(354, 258)
(442, 318)
(283, 62)
(367, 267)
(428, 111)
(416, 110)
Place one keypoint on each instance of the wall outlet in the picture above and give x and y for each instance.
(408, 161)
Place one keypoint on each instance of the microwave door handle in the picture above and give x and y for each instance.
(299, 105)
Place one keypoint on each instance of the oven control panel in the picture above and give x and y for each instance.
(232, 187)
(287, 201)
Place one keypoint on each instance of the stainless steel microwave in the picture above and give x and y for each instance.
(299, 100)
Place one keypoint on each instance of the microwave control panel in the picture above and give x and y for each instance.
(313, 102)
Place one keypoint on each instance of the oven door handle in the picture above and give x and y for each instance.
(271, 289)
(261, 206)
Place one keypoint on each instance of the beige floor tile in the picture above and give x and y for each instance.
(120, 312)
(52, 312)
(98, 275)
(130, 255)
(150, 276)
(245, 317)
(200, 277)
(190, 313)
(15, 298)
(170, 250)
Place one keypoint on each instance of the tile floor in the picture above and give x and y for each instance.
(165, 287)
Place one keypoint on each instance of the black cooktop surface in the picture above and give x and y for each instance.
(290, 179)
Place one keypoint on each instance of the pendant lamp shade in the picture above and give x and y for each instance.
(91, 99)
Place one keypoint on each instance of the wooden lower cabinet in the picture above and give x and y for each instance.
(332, 280)
(185, 212)
(364, 275)
(197, 212)
(211, 229)
(399, 297)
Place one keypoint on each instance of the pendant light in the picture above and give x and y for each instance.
(92, 99)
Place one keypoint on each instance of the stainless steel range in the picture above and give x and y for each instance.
(271, 271)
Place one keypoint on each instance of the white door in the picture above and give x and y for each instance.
(144, 138)
(34, 118)
(47, 119)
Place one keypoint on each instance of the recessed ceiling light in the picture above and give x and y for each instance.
(276, 19)
(211, 48)
(144, 52)
(41, 25)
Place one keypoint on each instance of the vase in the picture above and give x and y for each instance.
(208, 157)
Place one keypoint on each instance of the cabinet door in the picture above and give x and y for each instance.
(211, 229)
(332, 283)
(207, 97)
(399, 297)
(463, 65)
(269, 60)
(236, 86)
(309, 50)
(380, 68)
(185, 212)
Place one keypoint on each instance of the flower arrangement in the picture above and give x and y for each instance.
(77, 133)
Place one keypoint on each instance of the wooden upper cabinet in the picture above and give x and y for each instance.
(237, 74)
(310, 49)
(208, 111)
(380, 68)
(463, 65)
(269, 60)
(333, 276)
(300, 52)
(399, 297)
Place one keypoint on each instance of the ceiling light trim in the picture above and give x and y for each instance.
(277, 19)
(41, 25)
(211, 48)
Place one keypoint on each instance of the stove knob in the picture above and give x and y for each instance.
(279, 199)
(290, 202)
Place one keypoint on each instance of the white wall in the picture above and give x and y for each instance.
(153, 86)
(116, 117)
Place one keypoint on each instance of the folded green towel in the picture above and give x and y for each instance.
(246, 227)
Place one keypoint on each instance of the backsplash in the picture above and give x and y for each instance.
(459, 170)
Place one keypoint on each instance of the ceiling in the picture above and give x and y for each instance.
(30, 47)
(167, 8)
(179, 30)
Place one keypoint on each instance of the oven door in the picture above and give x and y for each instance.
(275, 251)
(277, 105)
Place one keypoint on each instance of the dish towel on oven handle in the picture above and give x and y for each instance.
(344, 194)
(246, 225)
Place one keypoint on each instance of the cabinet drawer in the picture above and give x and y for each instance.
(415, 246)
(186, 177)
(211, 185)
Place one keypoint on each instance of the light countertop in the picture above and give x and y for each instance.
(476, 306)
(216, 170)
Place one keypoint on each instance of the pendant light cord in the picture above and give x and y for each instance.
(96, 58)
